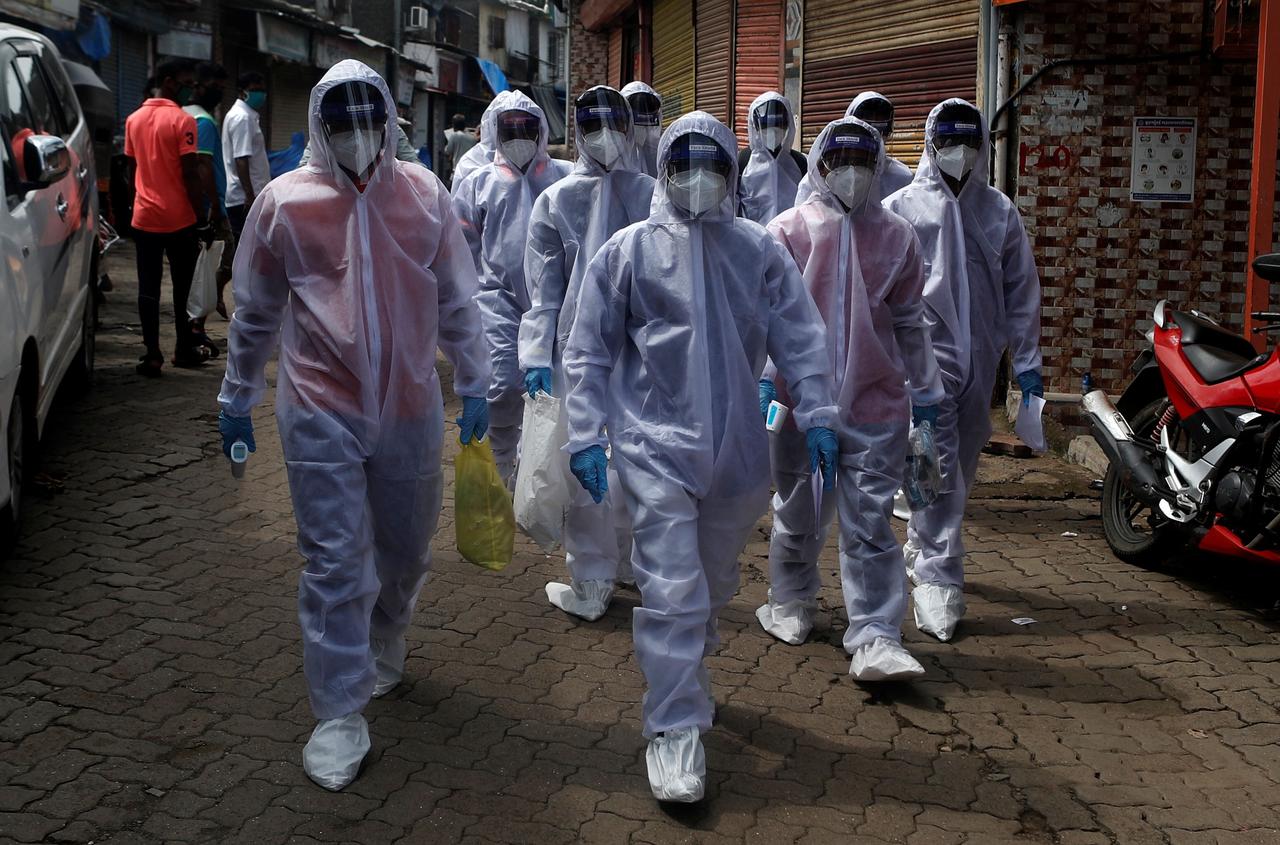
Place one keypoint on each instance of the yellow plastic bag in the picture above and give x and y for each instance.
(484, 522)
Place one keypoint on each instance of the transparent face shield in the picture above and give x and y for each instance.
(879, 113)
(354, 117)
(697, 174)
(848, 165)
(772, 121)
(604, 119)
(956, 143)
(517, 135)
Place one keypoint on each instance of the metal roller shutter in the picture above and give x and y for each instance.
(757, 56)
(128, 78)
(915, 52)
(714, 20)
(288, 98)
(673, 51)
(615, 59)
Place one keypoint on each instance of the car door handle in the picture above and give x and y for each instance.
(62, 205)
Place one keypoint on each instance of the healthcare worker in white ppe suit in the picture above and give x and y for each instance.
(494, 204)
(646, 115)
(982, 296)
(570, 222)
(482, 152)
(361, 259)
(675, 320)
(771, 170)
(877, 110)
(862, 266)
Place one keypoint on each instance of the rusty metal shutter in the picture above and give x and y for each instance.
(615, 58)
(915, 52)
(715, 50)
(673, 52)
(757, 56)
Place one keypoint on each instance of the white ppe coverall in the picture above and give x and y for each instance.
(864, 272)
(482, 152)
(982, 296)
(646, 140)
(571, 220)
(895, 175)
(674, 324)
(768, 182)
(493, 205)
(367, 286)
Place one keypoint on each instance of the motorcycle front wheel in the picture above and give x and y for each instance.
(1136, 532)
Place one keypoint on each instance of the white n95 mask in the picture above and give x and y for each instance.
(774, 137)
(606, 146)
(697, 191)
(956, 161)
(356, 149)
(850, 185)
(519, 151)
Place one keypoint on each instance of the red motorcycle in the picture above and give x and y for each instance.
(1194, 442)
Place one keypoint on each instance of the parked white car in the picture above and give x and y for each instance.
(48, 253)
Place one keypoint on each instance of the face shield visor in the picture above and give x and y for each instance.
(772, 121)
(848, 164)
(646, 112)
(517, 135)
(354, 117)
(604, 119)
(697, 174)
(879, 113)
(957, 138)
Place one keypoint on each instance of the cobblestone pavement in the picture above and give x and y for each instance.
(150, 684)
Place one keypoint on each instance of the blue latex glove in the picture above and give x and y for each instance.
(924, 413)
(474, 421)
(768, 393)
(233, 429)
(538, 379)
(824, 452)
(591, 468)
(1031, 384)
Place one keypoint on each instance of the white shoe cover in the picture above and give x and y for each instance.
(883, 659)
(588, 599)
(388, 659)
(910, 554)
(337, 747)
(677, 766)
(901, 509)
(938, 609)
(789, 621)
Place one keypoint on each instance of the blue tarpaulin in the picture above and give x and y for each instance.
(493, 75)
(282, 161)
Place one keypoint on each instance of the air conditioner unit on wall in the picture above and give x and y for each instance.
(419, 17)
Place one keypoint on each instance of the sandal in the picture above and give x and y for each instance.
(190, 359)
(150, 365)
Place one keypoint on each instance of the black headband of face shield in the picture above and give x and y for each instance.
(957, 125)
(518, 124)
(769, 114)
(849, 146)
(646, 108)
(877, 112)
(353, 105)
(602, 109)
(696, 151)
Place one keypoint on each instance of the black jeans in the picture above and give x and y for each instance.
(183, 248)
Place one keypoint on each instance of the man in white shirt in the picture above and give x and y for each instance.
(244, 149)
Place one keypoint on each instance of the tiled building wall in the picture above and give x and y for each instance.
(1104, 260)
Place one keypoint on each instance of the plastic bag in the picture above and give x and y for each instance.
(483, 521)
(204, 284)
(924, 474)
(543, 484)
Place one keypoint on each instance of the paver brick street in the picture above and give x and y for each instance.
(151, 686)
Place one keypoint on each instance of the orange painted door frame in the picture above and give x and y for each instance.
(1262, 188)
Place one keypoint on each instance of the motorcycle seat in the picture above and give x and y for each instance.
(1213, 352)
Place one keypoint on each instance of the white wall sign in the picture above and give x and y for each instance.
(1164, 159)
(189, 40)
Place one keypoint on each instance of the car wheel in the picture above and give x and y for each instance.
(18, 443)
(82, 367)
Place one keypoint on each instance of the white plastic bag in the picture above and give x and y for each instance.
(543, 492)
(923, 479)
(204, 284)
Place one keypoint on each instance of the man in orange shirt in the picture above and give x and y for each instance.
(169, 213)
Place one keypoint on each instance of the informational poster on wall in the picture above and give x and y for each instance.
(1164, 159)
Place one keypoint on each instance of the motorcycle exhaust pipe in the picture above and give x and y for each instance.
(1114, 435)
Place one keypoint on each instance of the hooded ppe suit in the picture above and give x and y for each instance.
(896, 175)
(674, 323)
(646, 135)
(570, 222)
(863, 268)
(769, 181)
(493, 205)
(367, 286)
(482, 153)
(982, 296)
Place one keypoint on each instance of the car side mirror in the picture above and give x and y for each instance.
(45, 159)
